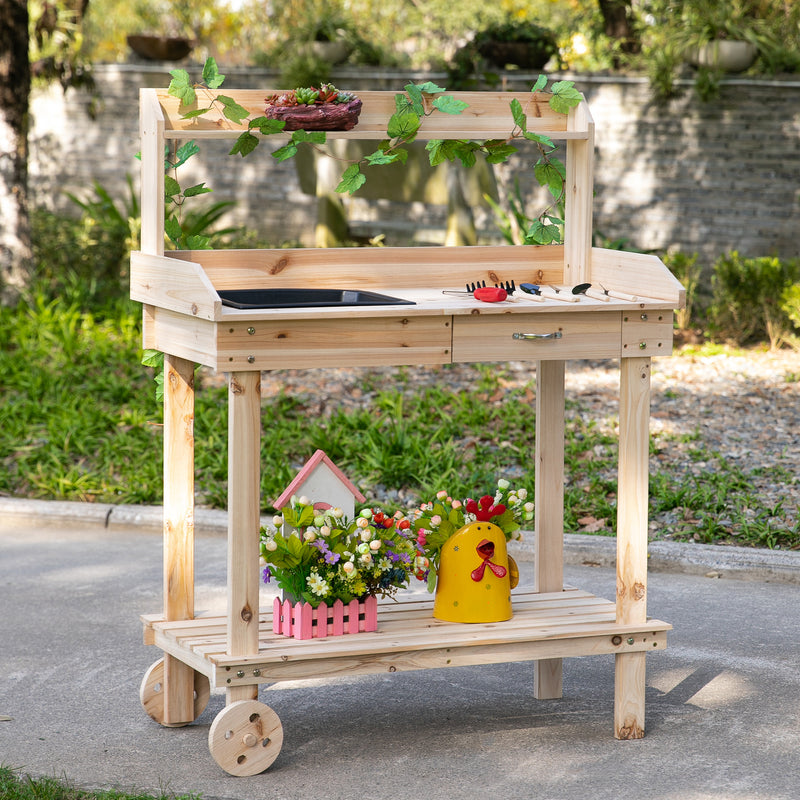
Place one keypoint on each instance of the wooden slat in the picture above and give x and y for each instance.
(151, 130)
(487, 117)
(171, 283)
(377, 267)
(638, 274)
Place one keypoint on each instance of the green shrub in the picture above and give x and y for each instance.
(747, 296)
(686, 269)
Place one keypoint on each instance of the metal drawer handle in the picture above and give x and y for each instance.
(555, 335)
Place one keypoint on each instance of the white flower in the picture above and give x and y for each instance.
(513, 500)
(304, 501)
(365, 513)
(277, 520)
(337, 513)
(528, 508)
(325, 530)
(319, 520)
(317, 584)
(271, 545)
(363, 548)
(366, 558)
(262, 561)
(375, 544)
(522, 494)
(436, 520)
(503, 483)
(420, 562)
(349, 567)
(310, 534)
(362, 522)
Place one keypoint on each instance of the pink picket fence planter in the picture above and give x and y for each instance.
(304, 622)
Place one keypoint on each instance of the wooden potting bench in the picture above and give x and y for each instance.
(184, 318)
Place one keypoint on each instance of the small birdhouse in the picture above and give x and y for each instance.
(474, 580)
(325, 485)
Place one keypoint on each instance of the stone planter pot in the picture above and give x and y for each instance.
(724, 54)
(319, 117)
(301, 621)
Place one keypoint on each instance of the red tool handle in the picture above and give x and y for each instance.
(490, 294)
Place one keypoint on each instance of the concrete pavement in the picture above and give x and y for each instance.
(723, 710)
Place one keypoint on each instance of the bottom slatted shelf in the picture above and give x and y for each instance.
(547, 625)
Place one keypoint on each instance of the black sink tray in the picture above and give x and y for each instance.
(306, 298)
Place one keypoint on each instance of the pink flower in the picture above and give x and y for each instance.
(422, 537)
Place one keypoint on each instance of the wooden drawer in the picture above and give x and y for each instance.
(522, 337)
(320, 342)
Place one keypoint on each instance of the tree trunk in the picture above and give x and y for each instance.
(15, 87)
(618, 19)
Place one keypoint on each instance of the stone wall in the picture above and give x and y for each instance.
(704, 177)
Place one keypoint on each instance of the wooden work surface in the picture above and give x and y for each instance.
(544, 625)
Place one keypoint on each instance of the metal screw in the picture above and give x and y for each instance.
(644, 317)
(251, 331)
(251, 359)
(643, 345)
(256, 672)
(240, 674)
(630, 640)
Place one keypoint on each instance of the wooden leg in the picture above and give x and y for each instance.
(178, 528)
(632, 499)
(244, 455)
(549, 499)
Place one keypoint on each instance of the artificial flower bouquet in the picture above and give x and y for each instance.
(328, 557)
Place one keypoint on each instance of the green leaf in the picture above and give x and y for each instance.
(352, 180)
(417, 100)
(153, 358)
(437, 151)
(565, 96)
(185, 152)
(181, 87)
(232, 110)
(171, 187)
(520, 119)
(431, 585)
(465, 152)
(498, 151)
(313, 137)
(382, 157)
(539, 138)
(449, 104)
(173, 228)
(245, 145)
(282, 153)
(541, 82)
(197, 112)
(550, 174)
(198, 188)
(541, 232)
(403, 125)
(429, 88)
(198, 242)
(267, 126)
(211, 74)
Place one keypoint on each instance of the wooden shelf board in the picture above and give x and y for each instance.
(547, 625)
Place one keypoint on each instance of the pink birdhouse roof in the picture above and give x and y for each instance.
(319, 458)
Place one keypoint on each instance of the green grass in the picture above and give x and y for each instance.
(79, 421)
(14, 786)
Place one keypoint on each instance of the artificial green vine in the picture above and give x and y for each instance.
(402, 128)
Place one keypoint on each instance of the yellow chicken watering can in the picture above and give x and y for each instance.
(475, 576)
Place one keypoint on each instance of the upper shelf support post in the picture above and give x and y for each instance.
(578, 198)
(151, 121)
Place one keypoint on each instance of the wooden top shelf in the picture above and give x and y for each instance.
(487, 117)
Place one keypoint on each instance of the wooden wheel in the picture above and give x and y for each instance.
(151, 694)
(245, 738)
